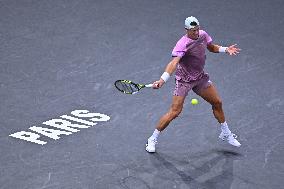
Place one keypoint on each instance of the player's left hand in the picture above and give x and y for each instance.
(233, 50)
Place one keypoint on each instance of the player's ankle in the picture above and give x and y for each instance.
(225, 128)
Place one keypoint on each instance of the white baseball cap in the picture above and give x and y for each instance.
(191, 22)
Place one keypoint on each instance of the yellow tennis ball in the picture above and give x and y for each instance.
(194, 101)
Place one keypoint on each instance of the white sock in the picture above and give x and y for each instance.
(225, 128)
(155, 134)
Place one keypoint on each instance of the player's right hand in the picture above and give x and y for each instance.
(158, 84)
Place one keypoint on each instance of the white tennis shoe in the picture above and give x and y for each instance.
(150, 146)
(231, 139)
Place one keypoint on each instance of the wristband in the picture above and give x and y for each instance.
(165, 76)
(222, 49)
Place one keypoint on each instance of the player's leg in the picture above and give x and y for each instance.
(173, 112)
(210, 94)
(180, 92)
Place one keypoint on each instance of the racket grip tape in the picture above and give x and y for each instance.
(149, 85)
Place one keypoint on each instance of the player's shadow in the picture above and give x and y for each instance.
(213, 169)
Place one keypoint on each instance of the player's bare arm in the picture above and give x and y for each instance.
(231, 50)
(171, 67)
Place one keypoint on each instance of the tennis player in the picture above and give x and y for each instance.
(188, 62)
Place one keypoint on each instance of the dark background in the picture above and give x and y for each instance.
(64, 55)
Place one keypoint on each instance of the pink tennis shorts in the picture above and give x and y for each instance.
(182, 88)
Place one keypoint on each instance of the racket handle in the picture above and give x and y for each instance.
(149, 85)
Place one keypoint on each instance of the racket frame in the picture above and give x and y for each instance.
(137, 86)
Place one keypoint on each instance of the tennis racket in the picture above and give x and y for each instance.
(129, 87)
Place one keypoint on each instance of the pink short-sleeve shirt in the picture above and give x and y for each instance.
(192, 53)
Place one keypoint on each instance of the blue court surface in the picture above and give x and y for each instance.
(63, 125)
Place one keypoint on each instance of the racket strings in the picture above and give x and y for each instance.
(126, 87)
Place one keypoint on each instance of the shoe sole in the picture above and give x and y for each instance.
(236, 145)
(224, 139)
